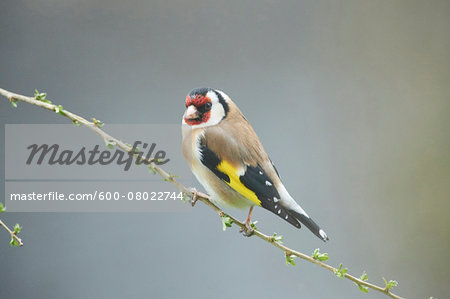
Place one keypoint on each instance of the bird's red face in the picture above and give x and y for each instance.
(198, 109)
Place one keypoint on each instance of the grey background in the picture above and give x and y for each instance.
(350, 98)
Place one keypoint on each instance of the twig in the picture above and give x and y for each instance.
(201, 196)
(12, 233)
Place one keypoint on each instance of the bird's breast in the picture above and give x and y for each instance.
(221, 193)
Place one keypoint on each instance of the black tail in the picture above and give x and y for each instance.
(309, 223)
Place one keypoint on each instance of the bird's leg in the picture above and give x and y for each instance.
(248, 231)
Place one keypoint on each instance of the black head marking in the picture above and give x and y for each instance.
(199, 91)
(222, 102)
(204, 90)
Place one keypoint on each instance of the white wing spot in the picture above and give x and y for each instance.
(276, 207)
(260, 172)
(286, 217)
(279, 211)
(268, 183)
(275, 199)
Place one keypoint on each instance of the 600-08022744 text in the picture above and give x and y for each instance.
(98, 195)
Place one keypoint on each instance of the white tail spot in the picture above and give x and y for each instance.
(323, 234)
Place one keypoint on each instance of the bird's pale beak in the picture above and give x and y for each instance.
(191, 112)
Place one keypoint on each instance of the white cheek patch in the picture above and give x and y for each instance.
(217, 112)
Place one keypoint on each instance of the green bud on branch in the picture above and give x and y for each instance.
(226, 222)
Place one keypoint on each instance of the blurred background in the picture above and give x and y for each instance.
(351, 99)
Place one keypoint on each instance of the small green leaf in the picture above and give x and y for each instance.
(14, 103)
(76, 123)
(110, 143)
(151, 169)
(363, 288)
(186, 197)
(17, 229)
(320, 256)
(41, 96)
(253, 225)
(340, 272)
(14, 242)
(389, 285)
(277, 238)
(173, 176)
(226, 222)
(2, 208)
(97, 122)
(290, 259)
(59, 109)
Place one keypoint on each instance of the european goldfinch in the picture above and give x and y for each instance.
(228, 159)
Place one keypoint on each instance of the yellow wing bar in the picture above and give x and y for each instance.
(236, 183)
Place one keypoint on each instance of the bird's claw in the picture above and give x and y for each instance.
(248, 231)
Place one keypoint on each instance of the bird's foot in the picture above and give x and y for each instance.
(248, 231)
(195, 195)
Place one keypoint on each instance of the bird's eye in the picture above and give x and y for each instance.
(208, 106)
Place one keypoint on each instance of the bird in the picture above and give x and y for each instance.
(228, 159)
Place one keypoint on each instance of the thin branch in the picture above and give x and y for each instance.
(201, 196)
(12, 233)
